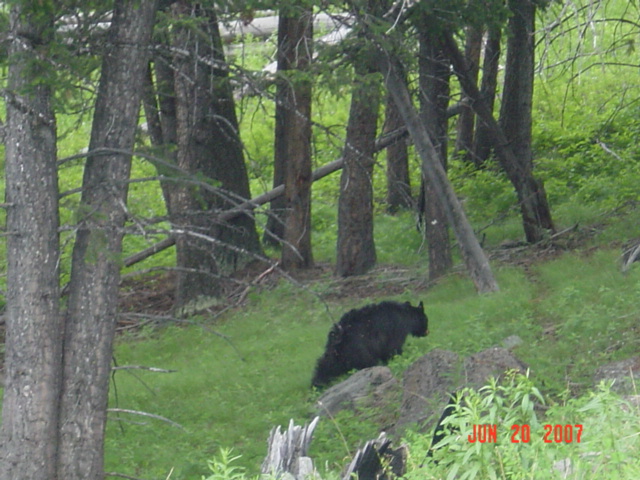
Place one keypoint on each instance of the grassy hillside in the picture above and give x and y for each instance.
(249, 369)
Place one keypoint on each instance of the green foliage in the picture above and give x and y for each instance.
(436, 16)
(602, 429)
(222, 469)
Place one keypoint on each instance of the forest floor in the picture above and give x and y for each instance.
(152, 297)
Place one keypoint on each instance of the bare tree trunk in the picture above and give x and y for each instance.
(530, 193)
(434, 96)
(472, 254)
(356, 250)
(295, 135)
(286, 60)
(209, 146)
(516, 118)
(482, 139)
(465, 133)
(95, 275)
(33, 355)
(294, 35)
(156, 100)
(398, 181)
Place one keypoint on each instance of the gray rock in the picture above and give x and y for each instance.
(430, 380)
(427, 384)
(492, 362)
(511, 342)
(370, 386)
(622, 372)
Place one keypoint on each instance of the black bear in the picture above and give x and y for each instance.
(368, 336)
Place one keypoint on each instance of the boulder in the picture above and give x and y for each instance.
(374, 386)
(428, 382)
(622, 372)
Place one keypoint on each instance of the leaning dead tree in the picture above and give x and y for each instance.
(474, 258)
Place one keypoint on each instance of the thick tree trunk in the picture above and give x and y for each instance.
(515, 117)
(92, 303)
(356, 251)
(293, 136)
(33, 355)
(482, 139)
(536, 216)
(472, 254)
(398, 180)
(434, 87)
(209, 146)
(465, 133)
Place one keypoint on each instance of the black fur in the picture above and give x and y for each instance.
(369, 336)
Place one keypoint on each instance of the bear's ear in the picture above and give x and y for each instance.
(408, 304)
(421, 305)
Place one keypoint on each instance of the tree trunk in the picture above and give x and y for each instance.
(209, 146)
(482, 139)
(291, 55)
(293, 135)
(286, 60)
(472, 254)
(93, 298)
(465, 133)
(248, 206)
(158, 101)
(434, 87)
(515, 117)
(531, 196)
(356, 251)
(398, 181)
(33, 355)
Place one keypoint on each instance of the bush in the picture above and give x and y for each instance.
(594, 436)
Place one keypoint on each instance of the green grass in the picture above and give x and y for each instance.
(573, 312)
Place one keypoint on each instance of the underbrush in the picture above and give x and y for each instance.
(589, 437)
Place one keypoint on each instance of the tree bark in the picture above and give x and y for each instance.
(434, 70)
(293, 134)
(398, 180)
(515, 117)
(356, 251)
(33, 355)
(531, 195)
(208, 146)
(465, 133)
(472, 254)
(482, 139)
(95, 271)
(293, 40)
